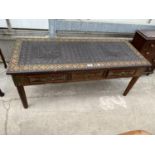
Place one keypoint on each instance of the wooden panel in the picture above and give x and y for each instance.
(48, 78)
(39, 79)
(88, 75)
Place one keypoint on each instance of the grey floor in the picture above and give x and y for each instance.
(95, 107)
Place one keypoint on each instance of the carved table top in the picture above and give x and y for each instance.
(45, 55)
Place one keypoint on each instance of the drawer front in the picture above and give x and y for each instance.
(121, 73)
(149, 51)
(151, 46)
(88, 75)
(150, 56)
(50, 78)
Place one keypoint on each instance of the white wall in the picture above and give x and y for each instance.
(3, 23)
(26, 23)
(30, 23)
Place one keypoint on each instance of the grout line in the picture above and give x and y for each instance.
(14, 99)
(7, 108)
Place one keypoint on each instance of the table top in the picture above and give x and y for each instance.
(46, 55)
(148, 34)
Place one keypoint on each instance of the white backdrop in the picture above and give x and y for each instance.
(26, 23)
(3, 23)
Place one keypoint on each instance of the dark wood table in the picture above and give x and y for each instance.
(41, 61)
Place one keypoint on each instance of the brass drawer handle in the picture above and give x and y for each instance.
(124, 73)
(152, 45)
(36, 81)
(147, 53)
(120, 74)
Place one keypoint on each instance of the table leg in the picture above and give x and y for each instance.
(4, 62)
(130, 85)
(22, 95)
(1, 93)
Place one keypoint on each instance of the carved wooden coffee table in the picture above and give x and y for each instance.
(41, 61)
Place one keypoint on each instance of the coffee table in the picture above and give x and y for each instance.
(40, 61)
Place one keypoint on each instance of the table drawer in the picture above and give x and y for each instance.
(120, 73)
(148, 54)
(87, 75)
(53, 78)
(151, 46)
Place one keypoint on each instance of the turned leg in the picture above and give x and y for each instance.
(1, 93)
(22, 95)
(130, 85)
(4, 62)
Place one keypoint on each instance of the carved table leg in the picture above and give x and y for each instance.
(130, 85)
(1, 93)
(22, 95)
(4, 62)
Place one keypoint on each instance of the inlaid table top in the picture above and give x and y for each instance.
(45, 55)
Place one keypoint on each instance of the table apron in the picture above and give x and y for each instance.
(73, 76)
